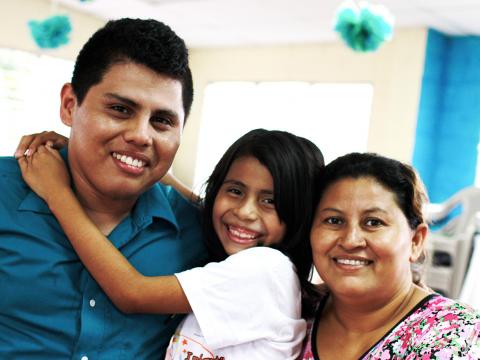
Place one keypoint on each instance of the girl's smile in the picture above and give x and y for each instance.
(244, 213)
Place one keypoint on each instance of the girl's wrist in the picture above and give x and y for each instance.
(58, 197)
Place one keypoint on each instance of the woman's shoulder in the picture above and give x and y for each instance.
(312, 324)
(441, 309)
(438, 327)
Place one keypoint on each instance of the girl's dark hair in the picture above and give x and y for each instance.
(399, 178)
(296, 166)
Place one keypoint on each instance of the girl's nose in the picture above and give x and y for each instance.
(247, 210)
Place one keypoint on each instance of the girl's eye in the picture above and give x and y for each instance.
(333, 220)
(234, 191)
(374, 222)
(269, 202)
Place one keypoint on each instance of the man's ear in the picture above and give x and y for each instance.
(418, 242)
(68, 104)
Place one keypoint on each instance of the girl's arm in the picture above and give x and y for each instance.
(170, 179)
(132, 292)
(29, 144)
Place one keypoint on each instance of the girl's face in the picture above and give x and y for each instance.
(361, 241)
(244, 212)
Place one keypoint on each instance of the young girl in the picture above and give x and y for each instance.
(258, 210)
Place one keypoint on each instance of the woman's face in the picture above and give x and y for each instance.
(361, 241)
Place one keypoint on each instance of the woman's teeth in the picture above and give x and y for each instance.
(352, 262)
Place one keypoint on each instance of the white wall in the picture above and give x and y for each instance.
(395, 71)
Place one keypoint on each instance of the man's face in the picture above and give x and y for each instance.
(125, 133)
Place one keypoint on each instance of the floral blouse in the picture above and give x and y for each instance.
(437, 328)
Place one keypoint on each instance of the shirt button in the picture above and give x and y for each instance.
(84, 358)
(92, 304)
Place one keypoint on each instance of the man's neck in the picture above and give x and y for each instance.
(106, 212)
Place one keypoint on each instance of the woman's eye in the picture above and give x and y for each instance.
(333, 220)
(374, 222)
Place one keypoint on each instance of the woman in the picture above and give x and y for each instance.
(367, 236)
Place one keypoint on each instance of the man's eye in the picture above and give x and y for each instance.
(120, 109)
(162, 121)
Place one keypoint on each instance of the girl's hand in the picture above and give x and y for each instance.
(30, 143)
(45, 172)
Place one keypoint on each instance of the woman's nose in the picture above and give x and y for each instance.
(352, 237)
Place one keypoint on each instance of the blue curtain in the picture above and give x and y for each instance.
(448, 126)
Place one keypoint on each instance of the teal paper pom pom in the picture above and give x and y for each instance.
(51, 32)
(364, 28)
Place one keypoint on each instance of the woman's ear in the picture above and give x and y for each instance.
(418, 241)
(68, 104)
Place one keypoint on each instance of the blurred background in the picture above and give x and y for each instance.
(279, 64)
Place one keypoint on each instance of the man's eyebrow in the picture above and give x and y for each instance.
(135, 105)
(123, 99)
(166, 112)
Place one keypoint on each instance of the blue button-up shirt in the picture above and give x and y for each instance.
(50, 306)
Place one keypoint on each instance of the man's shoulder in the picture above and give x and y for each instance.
(10, 172)
(9, 166)
(180, 206)
(12, 186)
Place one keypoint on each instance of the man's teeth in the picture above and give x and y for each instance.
(352, 262)
(129, 160)
(241, 234)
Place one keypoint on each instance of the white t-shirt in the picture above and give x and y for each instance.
(247, 306)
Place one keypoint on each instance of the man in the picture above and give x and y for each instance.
(130, 94)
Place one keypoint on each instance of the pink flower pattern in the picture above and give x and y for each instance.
(438, 328)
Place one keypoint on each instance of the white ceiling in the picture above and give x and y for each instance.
(211, 23)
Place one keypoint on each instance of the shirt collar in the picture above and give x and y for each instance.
(33, 202)
(151, 204)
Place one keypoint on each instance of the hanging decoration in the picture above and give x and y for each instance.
(51, 32)
(364, 26)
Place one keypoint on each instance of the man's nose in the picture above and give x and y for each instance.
(138, 131)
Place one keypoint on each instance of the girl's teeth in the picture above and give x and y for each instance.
(241, 234)
(128, 160)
